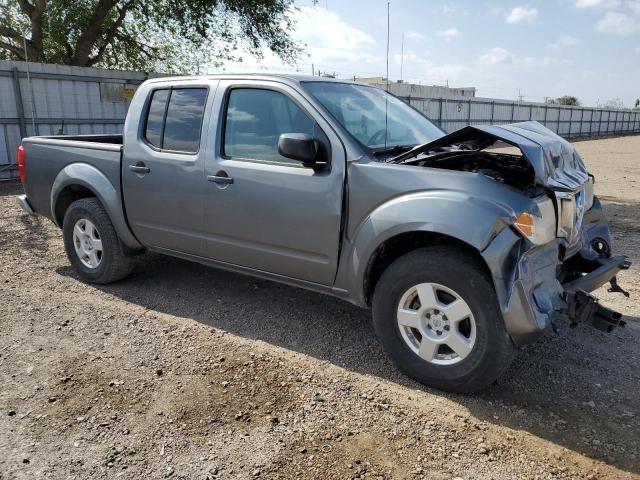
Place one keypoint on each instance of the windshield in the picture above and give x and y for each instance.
(361, 111)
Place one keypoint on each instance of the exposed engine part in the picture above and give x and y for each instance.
(505, 168)
(614, 287)
(584, 308)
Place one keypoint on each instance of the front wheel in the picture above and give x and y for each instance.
(437, 316)
(92, 244)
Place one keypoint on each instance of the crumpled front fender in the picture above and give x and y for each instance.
(474, 221)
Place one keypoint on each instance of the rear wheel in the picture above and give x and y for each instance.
(92, 244)
(437, 316)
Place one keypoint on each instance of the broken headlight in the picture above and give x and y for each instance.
(539, 223)
(588, 193)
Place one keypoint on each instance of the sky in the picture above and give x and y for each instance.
(535, 49)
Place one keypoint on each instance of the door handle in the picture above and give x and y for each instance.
(221, 178)
(139, 168)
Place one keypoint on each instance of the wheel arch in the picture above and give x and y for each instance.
(81, 180)
(418, 220)
(398, 245)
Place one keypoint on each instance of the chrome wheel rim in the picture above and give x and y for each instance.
(436, 323)
(87, 242)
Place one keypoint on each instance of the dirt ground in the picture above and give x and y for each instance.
(187, 372)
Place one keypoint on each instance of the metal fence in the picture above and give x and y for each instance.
(569, 122)
(40, 99)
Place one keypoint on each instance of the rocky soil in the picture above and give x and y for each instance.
(187, 372)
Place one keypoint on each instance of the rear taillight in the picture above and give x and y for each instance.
(22, 164)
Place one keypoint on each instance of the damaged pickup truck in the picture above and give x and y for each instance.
(463, 245)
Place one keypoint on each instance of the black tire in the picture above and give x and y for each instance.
(459, 271)
(114, 263)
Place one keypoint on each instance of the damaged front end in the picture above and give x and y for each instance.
(543, 271)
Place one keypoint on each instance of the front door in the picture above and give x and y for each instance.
(262, 210)
(163, 172)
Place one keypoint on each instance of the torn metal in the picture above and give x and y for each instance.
(546, 281)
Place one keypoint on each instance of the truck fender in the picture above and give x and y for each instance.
(471, 220)
(92, 179)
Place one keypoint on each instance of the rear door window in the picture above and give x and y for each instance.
(176, 126)
(155, 117)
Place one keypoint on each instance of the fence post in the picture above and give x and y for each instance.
(440, 113)
(530, 111)
(546, 109)
(513, 111)
(493, 109)
(469, 113)
(600, 112)
(581, 117)
(570, 122)
(18, 99)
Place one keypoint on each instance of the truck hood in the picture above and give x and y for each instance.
(555, 162)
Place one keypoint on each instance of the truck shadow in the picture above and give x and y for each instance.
(577, 389)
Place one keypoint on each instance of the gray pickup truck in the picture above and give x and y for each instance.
(463, 245)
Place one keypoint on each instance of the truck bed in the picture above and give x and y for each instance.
(48, 157)
(112, 139)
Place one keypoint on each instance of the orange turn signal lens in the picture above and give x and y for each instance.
(525, 223)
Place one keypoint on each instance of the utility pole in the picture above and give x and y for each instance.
(520, 96)
(401, 56)
(387, 58)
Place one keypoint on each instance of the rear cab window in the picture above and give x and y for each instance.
(174, 119)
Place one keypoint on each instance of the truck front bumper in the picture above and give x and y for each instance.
(537, 285)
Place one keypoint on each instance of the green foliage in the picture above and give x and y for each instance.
(149, 35)
(565, 100)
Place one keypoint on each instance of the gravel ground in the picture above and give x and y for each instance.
(187, 372)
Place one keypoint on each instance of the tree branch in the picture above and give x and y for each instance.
(26, 7)
(87, 40)
(110, 35)
(17, 51)
(10, 32)
(36, 28)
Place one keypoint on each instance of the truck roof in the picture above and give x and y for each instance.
(286, 77)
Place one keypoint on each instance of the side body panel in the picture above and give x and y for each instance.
(55, 164)
(278, 218)
(164, 206)
(387, 200)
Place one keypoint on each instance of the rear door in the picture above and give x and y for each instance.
(163, 171)
(276, 216)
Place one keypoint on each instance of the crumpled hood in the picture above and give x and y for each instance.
(555, 162)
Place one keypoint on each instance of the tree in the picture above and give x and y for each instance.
(163, 35)
(614, 103)
(568, 100)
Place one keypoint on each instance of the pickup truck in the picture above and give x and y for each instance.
(464, 245)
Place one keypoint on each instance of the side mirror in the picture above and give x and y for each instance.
(299, 146)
